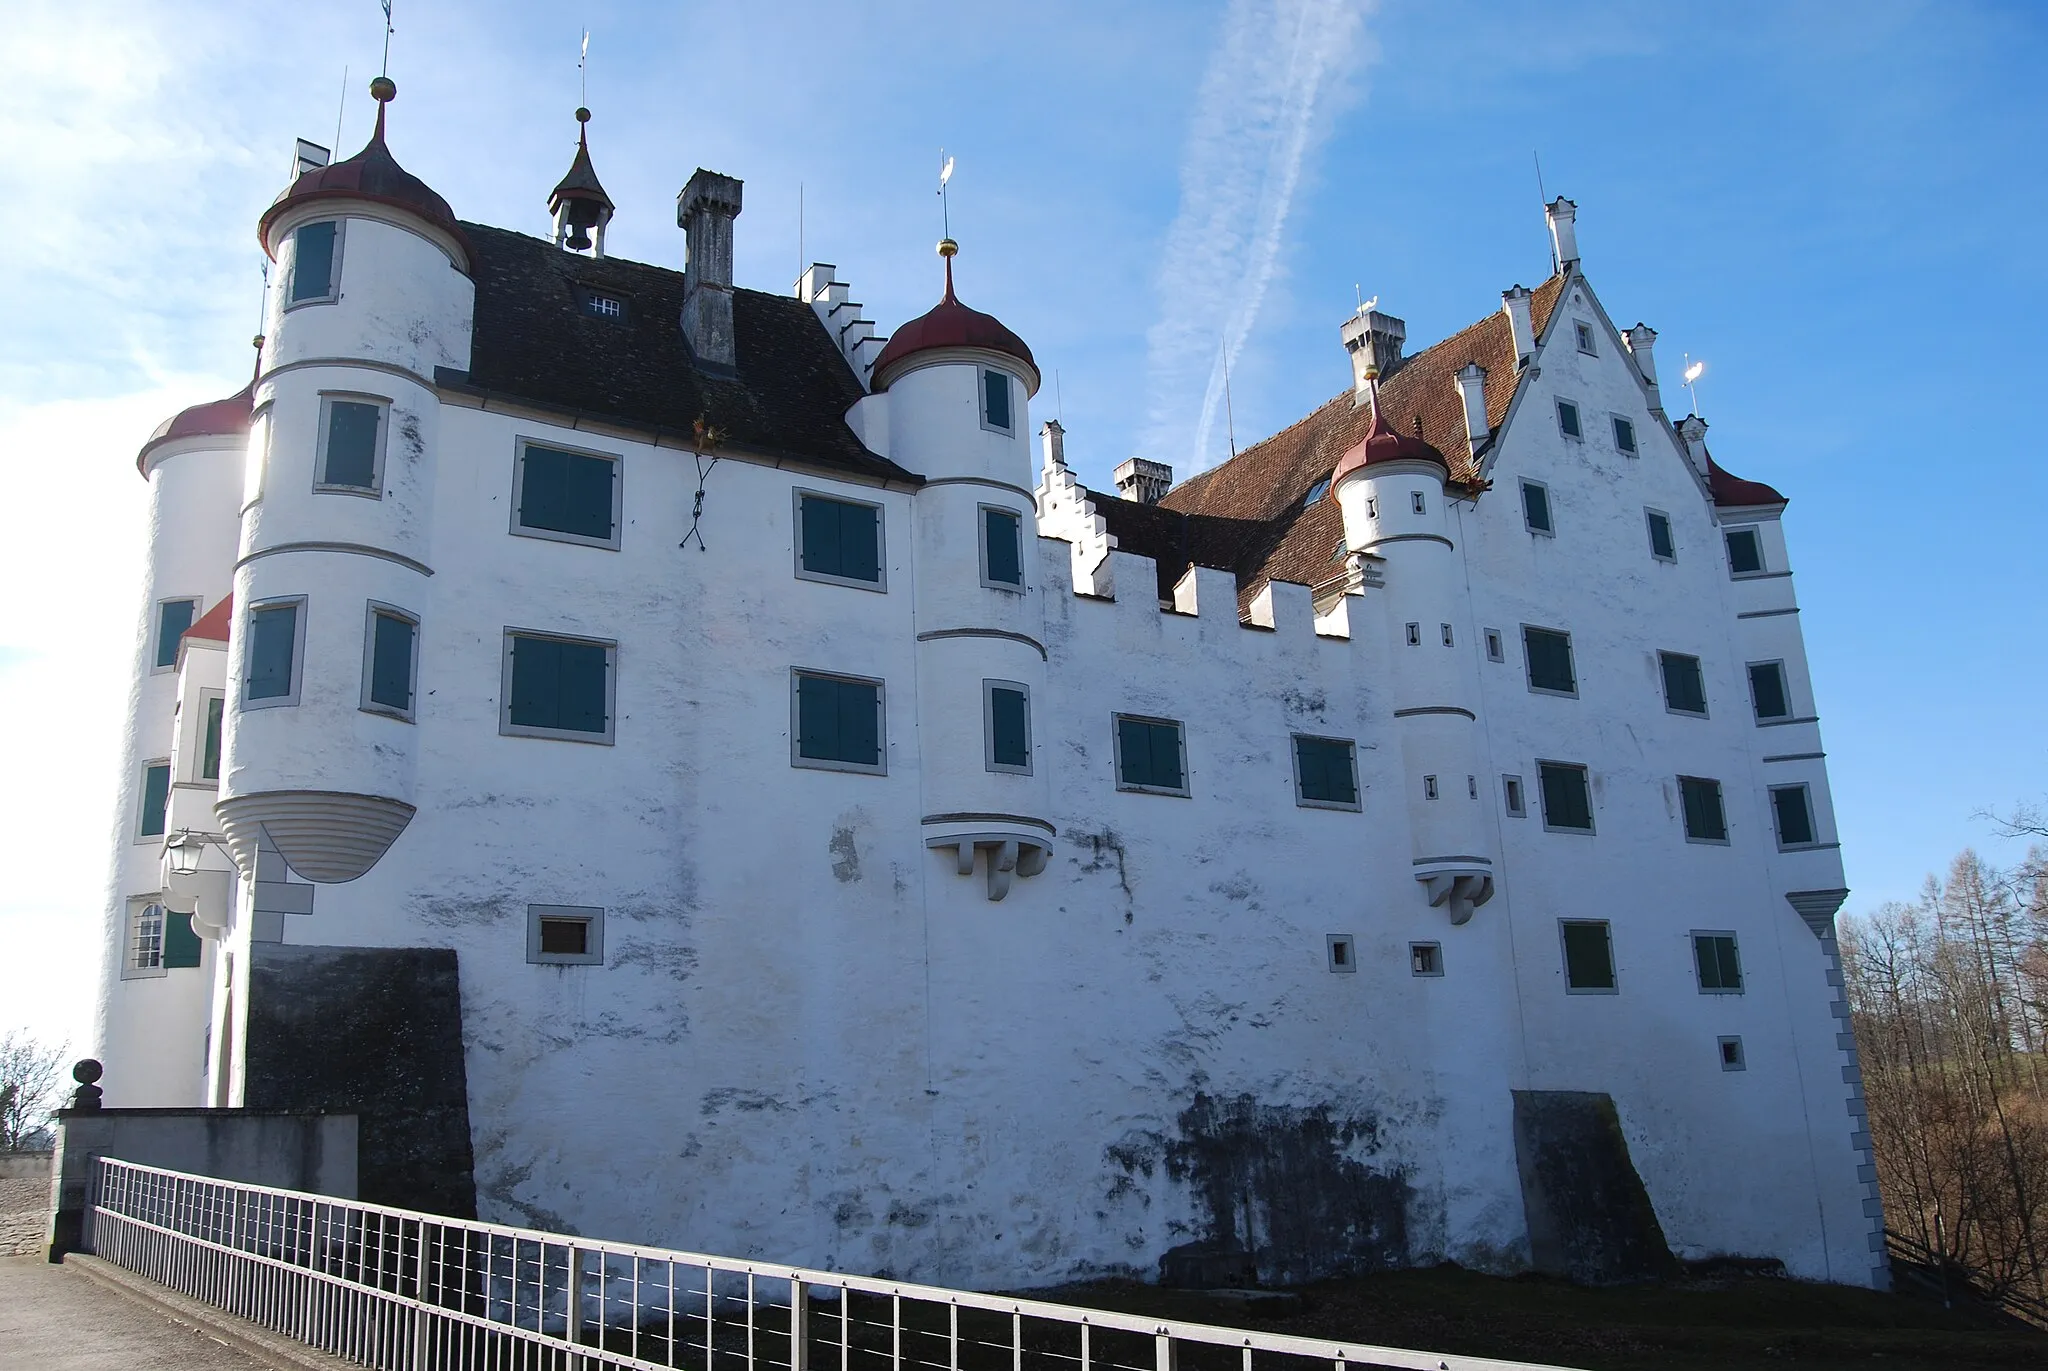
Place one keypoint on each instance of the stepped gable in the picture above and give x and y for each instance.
(1247, 516)
(536, 342)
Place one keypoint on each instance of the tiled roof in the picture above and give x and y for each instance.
(950, 324)
(213, 625)
(1248, 516)
(1733, 490)
(372, 174)
(227, 418)
(536, 341)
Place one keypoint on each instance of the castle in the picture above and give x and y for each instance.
(684, 767)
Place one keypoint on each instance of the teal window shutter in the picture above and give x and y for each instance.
(1149, 752)
(351, 457)
(567, 492)
(181, 943)
(209, 748)
(840, 538)
(1660, 538)
(173, 618)
(1536, 507)
(1714, 957)
(536, 682)
(391, 649)
(817, 718)
(1549, 657)
(1588, 957)
(273, 640)
(1685, 689)
(584, 689)
(1566, 803)
(313, 262)
(1701, 801)
(1009, 727)
(995, 390)
(1745, 552)
(156, 798)
(560, 684)
(1767, 690)
(1568, 419)
(839, 720)
(1002, 537)
(1795, 817)
(1326, 770)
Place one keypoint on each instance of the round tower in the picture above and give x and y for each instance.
(370, 297)
(959, 386)
(1394, 493)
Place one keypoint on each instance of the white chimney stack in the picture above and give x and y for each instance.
(1640, 340)
(1515, 301)
(1374, 341)
(1055, 440)
(1693, 430)
(1472, 390)
(1143, 481)
(1560, 213)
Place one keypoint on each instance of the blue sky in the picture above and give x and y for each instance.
(1838, 207)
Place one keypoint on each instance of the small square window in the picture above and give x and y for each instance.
(1792, 809)
(210, 737)
(1445, 629)
(1002, 548)
(995, 400)
(1624, 436)
(601, 306)
(839, 541)
(565, 935)
(1426, 959)
(173, 617)
(1568, 419)
(274, 644)
(1494, 651)
(155, 800)
(1343, 953)
(1415, 635)
(1417, 502)
(1429, 787)
(1567, 801)
(1006, 715)
(1685, 689)
(1151, 755)
(1584, 333)
(567, 496)
(1536, 507)
(1715, 962)
(390, 661)
(1325, 773)
(838, 723)
(316, 263)
(1745, 552)
(557, 687)
(352, 444)
(1705, 819)
(1767, 691)
(1511, 796)
(1588, 956)
(1661, 546)
(1731, 1054)
(1547, 653)
(145, 940)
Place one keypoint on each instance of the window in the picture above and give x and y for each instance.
(351, 445)
(567, 496)
(1793, 810)
(173, 617)
(270, 673)
(1151, 756)
(1584, 333)
(316, 259)
(145, 940)
(995, 400)
(1661, 546)
(1767, 691)
(1002, 548)
(1006, 726)
(1511, 795)
(1429, 787)
(1713, 957)
(1548, 655)
(1624, 436)
(1445, 630)
(1417, 503)
(256, 463)
(839, 541)
(1372, 507)
(555, 687)
(390, 661)
(1415, 635)
(1536, 507)
(1745, 552)
(1426, 959)
(181, 942)
(1588, 956)
(1731, 1053)
(1568, 419)
(1567, 802)
(838, 723)
(156, 799)
(1316, 492)
(210, 738)
(602, 306)
(565, 935)
(1343, 953)
(1325, 773)
(1494, 651)
(1705, 820)
(1685, 690)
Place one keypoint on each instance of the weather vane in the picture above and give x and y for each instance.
(387, 37)
(1693, 371)
(583, 69)
(945, 208)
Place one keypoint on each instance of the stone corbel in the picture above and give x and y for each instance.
(204, 895)
(1457, 886)
(1006, 855)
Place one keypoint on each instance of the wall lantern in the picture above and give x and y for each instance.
(184, 851)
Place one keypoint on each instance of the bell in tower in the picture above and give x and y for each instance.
(579, 203)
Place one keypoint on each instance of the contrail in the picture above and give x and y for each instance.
(1279, 65)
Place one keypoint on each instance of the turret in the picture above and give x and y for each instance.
(578, 203)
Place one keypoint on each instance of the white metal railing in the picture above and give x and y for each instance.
(406, 1291)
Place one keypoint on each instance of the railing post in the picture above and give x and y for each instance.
(799, 1327)
(420, 1326)
(573, 1331)
(1163, 1351)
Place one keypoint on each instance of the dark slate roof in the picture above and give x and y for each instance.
(536, 342)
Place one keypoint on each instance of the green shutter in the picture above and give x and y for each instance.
(313, 261)
(1730, 968)
(995, 389)
(1660, 537)
(273, 638)
(1701, 800)
(1536, 507)
(1150, 754)
(839, 721)
(584, 690)
(1588, 962)
(1009, 729)
(1002, 537)
(391, 647)
(1745, 553)
(567, 492)
(173, 618)
(1684, 688)
(841, 538)
(1565, 801)
(536, 682)
(1795, 820)
(1767, 690)
(860, 737)
(209, 748)
(351, 456)
(181, 943)
(821, 536)
(1549, 657)
(1326, 770)
(817, 718)
(156, 798)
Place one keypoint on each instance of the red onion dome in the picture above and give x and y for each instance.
(1382, 444)
(950, 324)
(1733, 490)
(227, 418)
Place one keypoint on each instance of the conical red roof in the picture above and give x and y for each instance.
(950, 324)
(227, 418)
(374, 175)
(1382, 444)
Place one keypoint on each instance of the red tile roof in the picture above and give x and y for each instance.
(227, 418)
(950, 324)
(374, 175)
(1733, 490)
(213, 625)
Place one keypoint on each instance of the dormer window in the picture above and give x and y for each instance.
(601, 306)
(1316, 492)
(316, 263)
(995, 401)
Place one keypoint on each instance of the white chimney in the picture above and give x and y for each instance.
(306, 156)
(1374, 341)
(1055, 439)
(1640, 340)
(1560, 213)
(1472, 390)
(1521, 323)
(1693, 430)
(1143, 481)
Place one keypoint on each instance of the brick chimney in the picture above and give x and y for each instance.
(1143, 481)
(705, 211)
(1374, 341)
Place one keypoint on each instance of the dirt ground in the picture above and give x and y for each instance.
(1731, 1322)
(24, 1213)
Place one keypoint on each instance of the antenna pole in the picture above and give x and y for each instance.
(1059, 399)
(340, 109)
(1543, 202)
(800, 262)
(1229, 414)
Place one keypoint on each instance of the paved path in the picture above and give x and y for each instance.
(57, 1319)
(24, 1214)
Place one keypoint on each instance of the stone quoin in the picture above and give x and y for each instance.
(681, 766)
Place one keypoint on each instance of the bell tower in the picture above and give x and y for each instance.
(578, 203)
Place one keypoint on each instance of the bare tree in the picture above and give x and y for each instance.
(31, 1085)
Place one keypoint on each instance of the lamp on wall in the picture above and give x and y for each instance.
(183, 852)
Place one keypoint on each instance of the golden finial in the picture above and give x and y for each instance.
(948, 248)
